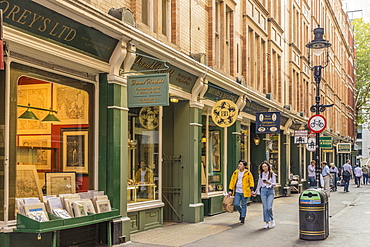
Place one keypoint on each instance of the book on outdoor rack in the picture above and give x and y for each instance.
(61, 213)
(36, 212)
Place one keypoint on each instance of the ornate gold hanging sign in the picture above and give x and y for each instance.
(149, 117)
(224, 113)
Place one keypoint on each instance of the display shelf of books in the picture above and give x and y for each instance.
(64, 212)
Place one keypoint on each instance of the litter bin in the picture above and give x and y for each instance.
(313, 215)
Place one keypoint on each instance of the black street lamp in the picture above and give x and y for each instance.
(318, 46)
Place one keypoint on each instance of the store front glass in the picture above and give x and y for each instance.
(273, 154)
(52, 140)
(244, 144)
(212, 158)
(143, 146)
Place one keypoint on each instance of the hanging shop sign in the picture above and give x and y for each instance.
(149, 117)
(215, 93)
(147, 90)
(268, 123)
(48, 24)
(252, 108)
(177, 77)
(317, 123)
(224, 113)
(344, 148)
(300, 136)
(326, 142)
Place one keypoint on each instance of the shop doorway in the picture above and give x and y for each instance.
(172, 188)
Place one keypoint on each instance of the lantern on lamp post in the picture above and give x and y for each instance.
(320, 48)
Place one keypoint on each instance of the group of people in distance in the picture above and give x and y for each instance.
(242, 186)
(345, 173)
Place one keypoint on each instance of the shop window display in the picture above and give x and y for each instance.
(211, 164)
(273, 151)
(143, 145)
(50, 149)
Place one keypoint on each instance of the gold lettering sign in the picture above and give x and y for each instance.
(224, 113)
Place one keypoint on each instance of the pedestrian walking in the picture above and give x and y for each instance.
(335, 173)
(346, 174)
(241, 184)
(265, 188)
(365, 174)
(312, 173)
(326, 176)
(358, 175)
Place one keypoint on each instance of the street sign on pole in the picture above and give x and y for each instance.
(317, 123)
(311, 144)
(300, 136)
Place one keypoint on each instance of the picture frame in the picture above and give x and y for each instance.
(75, 151)
(60, 183)
(103, 206)
(72, 105)
(37, 95)
(43, 158)
(215, 178)
(27, 182)
(215, 150)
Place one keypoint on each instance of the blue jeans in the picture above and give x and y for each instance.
(346, 182)
(267, 197)
(365, 178)
(312, 181)
(240, 203)
(358, 181)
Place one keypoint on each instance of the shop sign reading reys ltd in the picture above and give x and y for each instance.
(147, 90)
(224, 113)
(43, 22)
(267, 122)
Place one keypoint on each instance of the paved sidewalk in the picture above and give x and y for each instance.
(349, 225)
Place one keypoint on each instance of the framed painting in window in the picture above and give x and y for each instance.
(72, 104)
(37, 95)
(60, 183)
(35, 155)
(75, 151)
(215, 150)
(27, 182)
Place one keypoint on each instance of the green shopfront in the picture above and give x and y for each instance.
(60, 121)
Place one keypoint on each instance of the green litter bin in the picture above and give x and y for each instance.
(313, 215)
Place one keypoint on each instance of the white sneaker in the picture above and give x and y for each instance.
(266, 226)
(272, 224)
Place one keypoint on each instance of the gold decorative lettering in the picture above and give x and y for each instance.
(63, 29)
(24, 15)
(35, 18)
(7, 6)
(14, 11)
(52, 30)
(45, 22)
(71, 32)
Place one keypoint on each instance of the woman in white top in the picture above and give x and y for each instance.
(265, 188)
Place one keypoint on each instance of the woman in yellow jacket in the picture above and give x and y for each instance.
(241, 185)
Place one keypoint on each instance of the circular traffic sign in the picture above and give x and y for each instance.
(317, 123)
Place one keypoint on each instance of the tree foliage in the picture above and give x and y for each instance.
(362, 39)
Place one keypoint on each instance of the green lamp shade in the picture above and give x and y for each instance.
(50, 118)
(29, 115)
